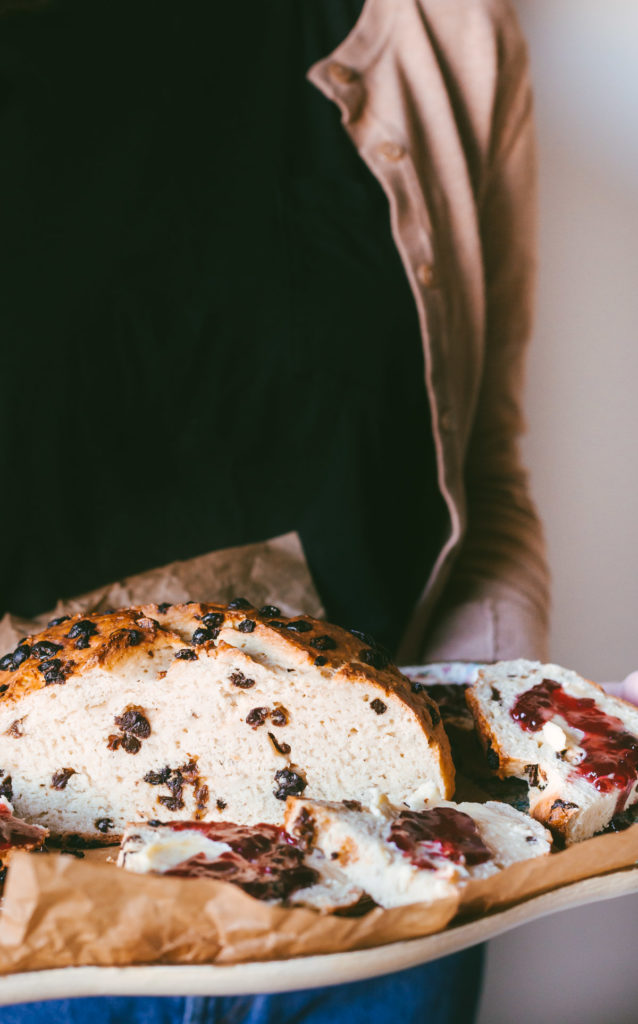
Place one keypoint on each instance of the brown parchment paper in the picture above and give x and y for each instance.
(59, 912)
(272, 572)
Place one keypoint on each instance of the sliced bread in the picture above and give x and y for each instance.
(400, 856)
(574, 744)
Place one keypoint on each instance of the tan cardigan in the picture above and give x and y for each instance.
(435, 95)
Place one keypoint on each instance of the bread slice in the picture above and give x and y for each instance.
(399, 856)
(16, 834)
(206, 711)
(263, 860)
(580, 759)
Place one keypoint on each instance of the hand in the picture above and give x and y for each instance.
(628, 689)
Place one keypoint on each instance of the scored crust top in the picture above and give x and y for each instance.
(72, 645)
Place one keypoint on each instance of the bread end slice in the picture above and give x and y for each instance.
(576, 782)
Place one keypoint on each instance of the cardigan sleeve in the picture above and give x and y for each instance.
(496, 602)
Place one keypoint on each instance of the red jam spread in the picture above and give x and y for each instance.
(265, 861)
(15, 833)
(611, 753)
(428, 836)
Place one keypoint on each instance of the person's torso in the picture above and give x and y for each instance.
(209, 335)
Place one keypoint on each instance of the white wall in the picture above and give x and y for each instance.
(582, 447)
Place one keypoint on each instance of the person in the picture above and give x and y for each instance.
(268, 267)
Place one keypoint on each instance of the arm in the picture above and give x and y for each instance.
(497, 599)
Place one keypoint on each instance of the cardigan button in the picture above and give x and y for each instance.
(392, 151)
(426, 275)
(342, 74)
(446, 420)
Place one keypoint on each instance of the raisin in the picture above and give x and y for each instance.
(163, 607)
(530, 839)
(289, 783)
(323, 643)
(239, 603)
(281, 748)
(201, 797)
(352, 805)
(496, 694)
(131, 744)
(360, 635)
(83, 628)
(172, 803)
(60, 779)
(279, 716)
(158, 778)
(4, 688)
(375, 658)
(305, 829)
(6, 787)
(257, 717)
(270, 611)
(221, 804)
(562, 805)
(7, 663)
(113, 742)
(45, 649)
(21, 654)
(189, 769)
(51, 664)
(133, 721)
(59, 620)
(320, 661)
(239, 679)
(531, 770)
(299, 626)
(214, 620)
(82, 643)
(378, 706)
(201, 636)
(104, 824)
(435, 714)
(247, 626)
(155, 823)
(133, 637)
(187, 654)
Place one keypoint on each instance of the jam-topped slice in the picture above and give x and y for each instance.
(610, 758)
(429, 836)
(263, 860)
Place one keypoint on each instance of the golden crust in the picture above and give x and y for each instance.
(87, 641)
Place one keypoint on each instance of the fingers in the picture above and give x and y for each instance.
(630, 688)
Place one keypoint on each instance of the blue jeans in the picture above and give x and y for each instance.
(443, 992)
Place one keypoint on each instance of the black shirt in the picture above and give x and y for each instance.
(208, 335)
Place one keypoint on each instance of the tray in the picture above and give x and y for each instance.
(305, 972)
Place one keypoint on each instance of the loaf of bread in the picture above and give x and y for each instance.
(263, 860)
(398, 856)
(207, 711)
(575, 745)
(16, 835)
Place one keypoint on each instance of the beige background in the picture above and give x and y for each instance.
(581, 967)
